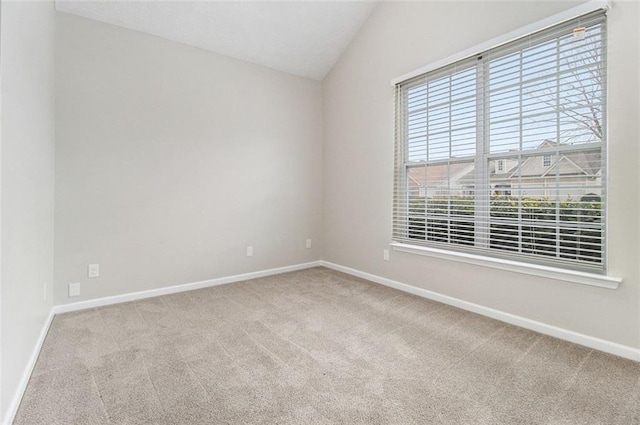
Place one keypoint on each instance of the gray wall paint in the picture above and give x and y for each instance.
(171, 160)
(27, 60)
(358, 163)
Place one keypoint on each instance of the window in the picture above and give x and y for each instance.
(474, 142)
(502, 189)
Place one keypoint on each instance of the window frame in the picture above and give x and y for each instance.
(483, 156)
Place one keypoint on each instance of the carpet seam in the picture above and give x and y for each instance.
(512, 367)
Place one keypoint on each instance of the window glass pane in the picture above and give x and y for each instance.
(555, 211)
(446, 128)
(417, 123)
(441, 205)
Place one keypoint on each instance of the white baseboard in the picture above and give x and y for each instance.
(26, 375)
(116, 299)
(567, 335)
(564, 334)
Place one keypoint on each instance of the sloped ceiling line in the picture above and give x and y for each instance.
(303, 38)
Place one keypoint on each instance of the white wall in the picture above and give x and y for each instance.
(27, 137)
(358, 163)
(170, 160)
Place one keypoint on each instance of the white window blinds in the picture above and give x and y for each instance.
(503, 153)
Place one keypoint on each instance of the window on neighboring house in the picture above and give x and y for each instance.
(502, 190)
(472, 134)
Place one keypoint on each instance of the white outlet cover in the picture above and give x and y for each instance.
(385, 254)
(93, 270)
(74, 289)
(308, 243)
(249, 251)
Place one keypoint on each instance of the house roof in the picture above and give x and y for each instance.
(577, 163)
(437, 176)
(569, 164)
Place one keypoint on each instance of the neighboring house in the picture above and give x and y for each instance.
(433, 181)
(580, 173)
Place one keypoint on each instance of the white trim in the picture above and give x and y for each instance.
(566, 15)
(567, 335)
(116, 299)
(564, 334)
(556, 273)
(26, 375)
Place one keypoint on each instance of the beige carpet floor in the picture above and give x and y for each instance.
(316, 347)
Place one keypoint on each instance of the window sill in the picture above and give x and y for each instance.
(513, 266)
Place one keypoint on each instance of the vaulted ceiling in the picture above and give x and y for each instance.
(304, 38)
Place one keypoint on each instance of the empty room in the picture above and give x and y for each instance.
(319, 212)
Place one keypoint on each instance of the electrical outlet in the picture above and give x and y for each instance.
(308, 243)
(249, 251)
(93, 270)
(385, 254)
(45, 291)
(74, 289)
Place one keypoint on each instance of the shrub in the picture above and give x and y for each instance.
(567, 229)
